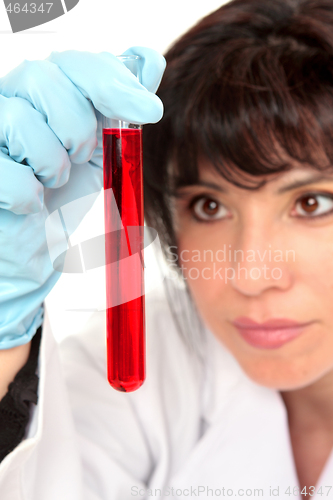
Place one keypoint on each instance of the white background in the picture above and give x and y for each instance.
(96, 25)
(103, 25)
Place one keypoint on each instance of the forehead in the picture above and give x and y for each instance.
(294, 177)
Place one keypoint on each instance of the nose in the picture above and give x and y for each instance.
(260, 262)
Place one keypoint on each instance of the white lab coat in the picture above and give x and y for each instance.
(190, 425)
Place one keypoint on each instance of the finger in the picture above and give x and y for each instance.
(67, 112)
(111, 87)
(27, 137)
(20, 190)
(153, 66)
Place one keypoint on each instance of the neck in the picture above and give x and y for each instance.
(311, 408)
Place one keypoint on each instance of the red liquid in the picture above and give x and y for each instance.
(122, 151)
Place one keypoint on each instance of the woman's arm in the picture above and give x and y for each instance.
(11, 361)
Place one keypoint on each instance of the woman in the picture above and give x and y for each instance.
(239, 184)
(245, 146)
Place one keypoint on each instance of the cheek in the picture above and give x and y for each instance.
(313, 270)
(201, 257)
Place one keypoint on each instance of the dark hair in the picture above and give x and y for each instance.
(249, 88)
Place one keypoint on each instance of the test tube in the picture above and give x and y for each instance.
(123, 187)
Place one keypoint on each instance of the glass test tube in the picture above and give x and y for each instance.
(123, 187)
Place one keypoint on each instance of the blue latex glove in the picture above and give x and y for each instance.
(51, 154)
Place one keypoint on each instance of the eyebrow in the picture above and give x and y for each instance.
(281, 190)
(304, 182)
(210, 185)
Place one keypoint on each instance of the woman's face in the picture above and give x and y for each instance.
(279, 269)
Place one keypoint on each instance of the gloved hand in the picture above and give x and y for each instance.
(51, 154)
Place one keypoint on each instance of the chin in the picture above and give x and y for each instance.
(280, 376)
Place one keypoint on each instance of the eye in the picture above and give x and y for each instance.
(314, 205)
(206, 209)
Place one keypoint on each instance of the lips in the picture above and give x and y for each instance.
(271, 334)
(243, 322)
